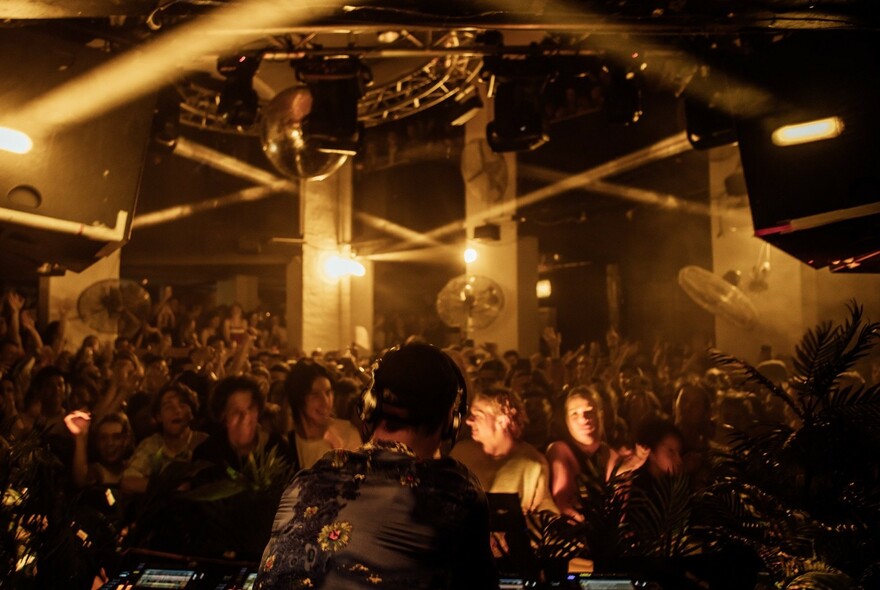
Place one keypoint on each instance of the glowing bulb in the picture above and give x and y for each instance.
(470, 255)
(17, 142)
(817, 130)
(543, 288)
(336, 267)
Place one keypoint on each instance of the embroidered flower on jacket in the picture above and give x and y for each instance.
(336, 536)
(409, 479)
(338, 461)
(310, 511)
(270, 563)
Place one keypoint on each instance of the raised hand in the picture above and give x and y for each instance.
(78, 422)
(27, 319)
(15, 301)
(553, 340)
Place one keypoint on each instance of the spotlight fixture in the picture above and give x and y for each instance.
(387, 37)
(623, 94)
(15, 141)
(336, 85)
(470, 255)
(239, 103)
(543, 288)
(709, 122)
(520, 123)
(335, 267)
(807, 132)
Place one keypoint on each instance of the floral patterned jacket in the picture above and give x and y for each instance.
(379, 517)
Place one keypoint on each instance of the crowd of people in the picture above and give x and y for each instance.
(221, 395)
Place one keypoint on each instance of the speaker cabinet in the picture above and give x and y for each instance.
(819, 200)
(70, 200)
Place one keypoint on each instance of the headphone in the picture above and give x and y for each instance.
(371, 398)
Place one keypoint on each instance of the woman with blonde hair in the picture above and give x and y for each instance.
(582, 450)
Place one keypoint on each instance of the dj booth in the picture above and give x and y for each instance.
(152, 569)
(144, 569)
(519, 567)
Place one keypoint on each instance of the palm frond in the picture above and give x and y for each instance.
(661, 517)
(752, 380)
(603, 511)
(826, 352)
(555, 536)
(822, 578)
(864, 402)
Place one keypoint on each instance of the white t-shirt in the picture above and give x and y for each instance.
(340, 435)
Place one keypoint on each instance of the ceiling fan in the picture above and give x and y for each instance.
(114, 306)
(718, 296)
(470, 302)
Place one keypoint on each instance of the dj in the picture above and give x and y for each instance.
(389, 515)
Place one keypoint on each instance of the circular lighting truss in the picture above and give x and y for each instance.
(448, 68)
(443, 77)
(200, 99)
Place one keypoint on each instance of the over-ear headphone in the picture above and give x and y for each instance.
(371, 397)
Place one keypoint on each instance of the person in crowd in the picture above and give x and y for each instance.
(235, 327)
(173, 408)
(582, 449)
(511, 357)
(88, 351)
(346, 397)
(211, 326)
(126, 376)
(277, 333)
(735, 411)
(10, 402)
(772, 408)
(46, 401)
(490, 373)
(100, 452)
(10, 354)
(539, 419)
(236, 406)
(278, 372)
(389, 515)
(519, 377)
(156, 373)
(187, 333)
(498, 457)
(309, 389)
(664, 443)
(259, 373)
(693, 411)
(638, 401)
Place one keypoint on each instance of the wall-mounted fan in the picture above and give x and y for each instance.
(470, 302)
(114, 306)
(718, 296)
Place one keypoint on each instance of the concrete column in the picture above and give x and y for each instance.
(323, 312)
(61, 293)
(243, 289)
(510, 261)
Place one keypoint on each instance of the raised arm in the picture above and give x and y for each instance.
(15, 303)
(78, 424)
(563, 478)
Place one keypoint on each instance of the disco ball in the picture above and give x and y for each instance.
(286, 144)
